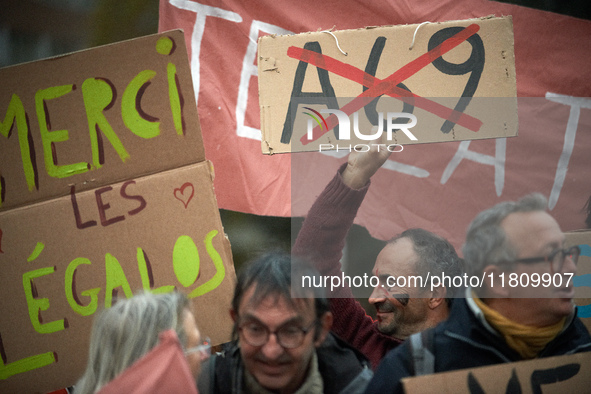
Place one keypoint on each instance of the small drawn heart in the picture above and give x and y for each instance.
(185, 193)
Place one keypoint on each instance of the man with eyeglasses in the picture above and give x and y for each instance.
(522, 311)
(282, 340)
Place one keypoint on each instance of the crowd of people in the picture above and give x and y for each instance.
(288, 338)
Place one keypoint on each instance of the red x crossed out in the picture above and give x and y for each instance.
(387, 86)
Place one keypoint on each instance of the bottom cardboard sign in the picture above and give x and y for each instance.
(563, 374)
(65, 259)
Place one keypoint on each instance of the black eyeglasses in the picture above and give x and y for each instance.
(289, 335)
(556, 258)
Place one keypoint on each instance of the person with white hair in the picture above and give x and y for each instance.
(125, 333)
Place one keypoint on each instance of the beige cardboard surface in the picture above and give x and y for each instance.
(478, 61)
(564, 374)
(150, 222)
(582, 281)
(51, 109)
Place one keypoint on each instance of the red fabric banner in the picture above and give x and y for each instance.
(440, 186)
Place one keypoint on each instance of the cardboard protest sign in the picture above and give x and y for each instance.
(562, 374)
(105, 192)
(446, 81)
(582, 281)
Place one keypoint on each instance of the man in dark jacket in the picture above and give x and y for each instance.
(400, 311)
(282, 338)
(503, 319)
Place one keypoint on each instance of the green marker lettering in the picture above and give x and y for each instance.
(145, 275)
(164, 45)
(98, 95)
(141, 125)
(25, 365)
(36, 305)
(185, 260)
(175, 101)
(36, 252)
(115, 278)
(48, 138)
(220, 274)
(16, 111)
(70, 296)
